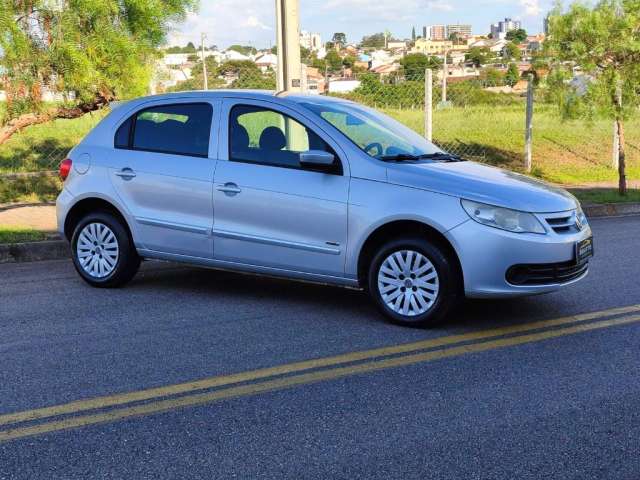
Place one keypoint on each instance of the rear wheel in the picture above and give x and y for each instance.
(103, 252)
(413, 282)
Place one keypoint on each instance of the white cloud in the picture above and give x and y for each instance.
(531, 7)
(253, 22)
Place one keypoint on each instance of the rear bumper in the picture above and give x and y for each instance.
(488, 254)
(63, 204)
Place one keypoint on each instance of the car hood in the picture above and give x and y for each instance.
(483, 183)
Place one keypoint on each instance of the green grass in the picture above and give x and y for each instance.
(19, 235)
(604, 195)
(42, 147)
(568, 153)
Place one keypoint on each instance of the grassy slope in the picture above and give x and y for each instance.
(570, 153)
(42, 147)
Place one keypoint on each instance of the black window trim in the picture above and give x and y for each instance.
(339, 170)
(132, 128)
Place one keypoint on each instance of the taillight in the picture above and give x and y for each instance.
(65, 168)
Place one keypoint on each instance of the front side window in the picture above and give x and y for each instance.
(260, 135)
(182, 129)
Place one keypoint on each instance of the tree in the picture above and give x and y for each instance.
(377, 40)
(190, 48)
(340, 38)
(413, 34)
(414, 65)
(243, 49)
(517, 36)
(334, 61)
(604, 41)
(512, 52)
(99, 50)
(479, 56)
(513, 75)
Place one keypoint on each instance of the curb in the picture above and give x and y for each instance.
(33, 251)
(611, 210)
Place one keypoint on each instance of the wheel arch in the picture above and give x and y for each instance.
(88, 205)
(397, 228)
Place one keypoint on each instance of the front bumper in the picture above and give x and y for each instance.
(486, 254)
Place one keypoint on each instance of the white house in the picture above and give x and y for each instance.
(341, 85)
(234, 55)
(267, 61)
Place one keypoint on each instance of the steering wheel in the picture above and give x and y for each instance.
(377, 146)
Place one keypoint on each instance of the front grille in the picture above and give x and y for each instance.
(562, 223)
(545, 274)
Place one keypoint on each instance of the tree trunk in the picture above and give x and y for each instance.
(622, 183)
(29, 119)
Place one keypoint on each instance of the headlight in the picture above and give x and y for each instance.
(503, 218)
(581, 218)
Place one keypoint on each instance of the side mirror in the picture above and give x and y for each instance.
(317, 160)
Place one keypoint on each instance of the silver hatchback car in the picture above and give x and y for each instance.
(312, 188)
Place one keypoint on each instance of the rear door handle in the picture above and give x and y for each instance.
(230, 189)
(126, 173)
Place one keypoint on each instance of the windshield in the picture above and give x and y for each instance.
(376, 134)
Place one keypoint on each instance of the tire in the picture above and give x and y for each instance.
(105, 241)
(419, 295)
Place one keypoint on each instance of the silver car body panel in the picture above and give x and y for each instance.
(302, 224)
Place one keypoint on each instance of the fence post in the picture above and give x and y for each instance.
(445, 74)
(615, 163)
(528, 151)
(428, 104)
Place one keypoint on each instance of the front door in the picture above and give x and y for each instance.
(269, 210)
(163, 172)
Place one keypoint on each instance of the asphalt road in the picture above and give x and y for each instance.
(558, 399)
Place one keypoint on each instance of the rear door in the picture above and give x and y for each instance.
(269, 210)
(163, 171)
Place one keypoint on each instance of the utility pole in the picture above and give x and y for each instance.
(288, 44)
(205, 83)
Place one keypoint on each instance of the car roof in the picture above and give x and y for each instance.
(268, 95)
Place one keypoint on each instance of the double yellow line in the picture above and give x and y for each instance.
(154, 400)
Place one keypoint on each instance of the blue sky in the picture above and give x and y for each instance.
(252, 21)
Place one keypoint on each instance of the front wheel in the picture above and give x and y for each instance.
(413, 282)
(103, 252)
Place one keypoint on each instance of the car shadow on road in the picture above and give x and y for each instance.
(344, 303)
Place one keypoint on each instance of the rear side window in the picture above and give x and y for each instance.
(182, 129)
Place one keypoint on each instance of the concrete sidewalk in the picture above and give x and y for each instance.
(40, 217)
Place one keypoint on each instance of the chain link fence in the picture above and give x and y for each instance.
(477, 114)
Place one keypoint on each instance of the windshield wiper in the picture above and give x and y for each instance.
(443, 157)
(407, 157)
(401, 157)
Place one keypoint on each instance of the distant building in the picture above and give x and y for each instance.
(499, 30)
(343, 85)
(396, 44)
(432, 47)
(434, 32)
(310, 41)
(459, 30)
(267, 61)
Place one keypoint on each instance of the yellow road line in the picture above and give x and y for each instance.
(212, 382)
(304, 378)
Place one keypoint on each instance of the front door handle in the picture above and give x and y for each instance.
(126, 174)
(230, 189)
